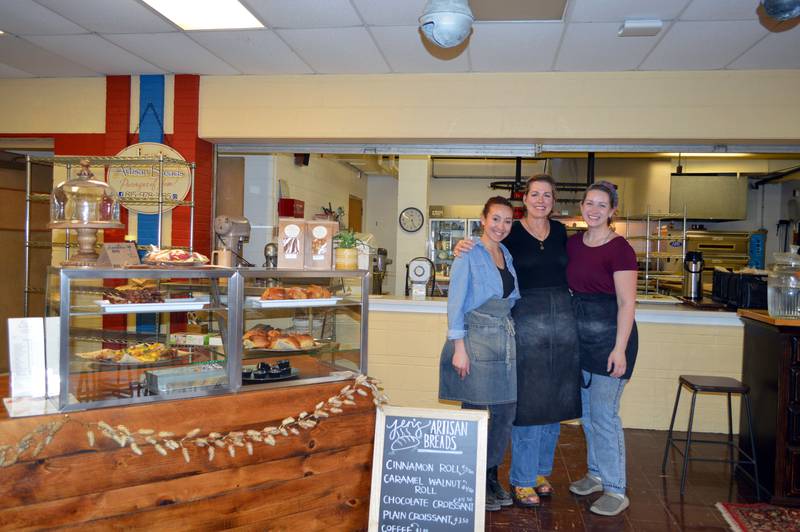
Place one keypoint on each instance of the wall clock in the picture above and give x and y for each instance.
(411, 219)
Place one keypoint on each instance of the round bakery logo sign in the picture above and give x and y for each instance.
(136, 182)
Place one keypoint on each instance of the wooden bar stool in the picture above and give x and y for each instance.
(708, 384)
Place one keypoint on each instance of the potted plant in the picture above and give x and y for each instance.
(346, 244)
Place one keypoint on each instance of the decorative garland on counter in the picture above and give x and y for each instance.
(165, 441)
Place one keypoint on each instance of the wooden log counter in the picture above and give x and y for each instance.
(316, 479)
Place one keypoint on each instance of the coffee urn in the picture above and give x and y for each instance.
(693, 275)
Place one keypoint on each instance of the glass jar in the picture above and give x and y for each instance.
(783, 286)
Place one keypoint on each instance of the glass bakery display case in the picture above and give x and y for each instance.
(300, 327)
(133, 335)
(120, 336)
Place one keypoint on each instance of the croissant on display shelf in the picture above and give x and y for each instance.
(296, 292)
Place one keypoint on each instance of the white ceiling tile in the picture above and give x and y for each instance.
(25, 17)
(11, 72)
(407, 51)
(716, 10)
(305, 13)
(336, 50)
(127, 16)
(96, 53)
(390, 12)
(28, 57)
(514, 46)
(703, 45)
(173, 52)
(252, 51)
(777, 50)
(597, 47)
(619, 10)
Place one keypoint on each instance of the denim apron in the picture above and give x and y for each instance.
(597, 331)
(548, 369)
(492, 355)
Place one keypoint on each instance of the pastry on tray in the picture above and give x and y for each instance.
(296, 292)
(174, 256)
(136, 354)
(266, 337)
(132, 294)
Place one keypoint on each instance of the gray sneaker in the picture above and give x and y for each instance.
(586, 485)
(610, 504)
(492, 504)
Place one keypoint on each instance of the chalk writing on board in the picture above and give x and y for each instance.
(441, 436)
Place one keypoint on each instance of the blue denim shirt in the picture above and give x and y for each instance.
(474, 279)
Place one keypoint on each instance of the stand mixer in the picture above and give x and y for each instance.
(232, 232)
(379, 264)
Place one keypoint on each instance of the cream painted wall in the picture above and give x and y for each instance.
(646, 106)
(381, 220)
(412, 191)
(322, 181)
(53, 105)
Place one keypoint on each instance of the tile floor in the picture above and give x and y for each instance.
(656, 504)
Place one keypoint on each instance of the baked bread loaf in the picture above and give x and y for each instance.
(275, 292)
(296, 292)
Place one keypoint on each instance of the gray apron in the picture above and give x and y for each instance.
(492, 355)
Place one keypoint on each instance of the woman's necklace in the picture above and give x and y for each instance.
(605, 240)
(534, 235)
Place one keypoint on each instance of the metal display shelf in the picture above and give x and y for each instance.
(68, 162)
(656, 252)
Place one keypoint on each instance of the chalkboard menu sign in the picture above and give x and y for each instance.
(428, 470)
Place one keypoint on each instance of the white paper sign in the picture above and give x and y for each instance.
(27, 357)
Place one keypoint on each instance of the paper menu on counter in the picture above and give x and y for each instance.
(26, 352)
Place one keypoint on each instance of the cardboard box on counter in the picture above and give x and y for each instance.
(212, 339)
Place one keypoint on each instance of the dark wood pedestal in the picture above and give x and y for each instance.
(771, 367)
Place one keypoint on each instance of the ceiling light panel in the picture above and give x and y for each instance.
(206, 14)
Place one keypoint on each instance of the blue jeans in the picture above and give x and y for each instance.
(532, 450)
(499, 430)
(602, 426)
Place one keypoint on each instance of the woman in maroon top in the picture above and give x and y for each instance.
(601, 272)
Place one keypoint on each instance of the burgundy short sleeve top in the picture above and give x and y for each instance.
(591, 270)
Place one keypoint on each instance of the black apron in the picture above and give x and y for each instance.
(597, 330)
(548, 370)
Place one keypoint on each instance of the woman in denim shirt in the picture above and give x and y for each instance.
(478, 361)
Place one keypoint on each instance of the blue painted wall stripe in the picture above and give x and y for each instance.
(151, 129)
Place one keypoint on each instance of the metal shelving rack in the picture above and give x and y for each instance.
(106, 162)
(656, 250)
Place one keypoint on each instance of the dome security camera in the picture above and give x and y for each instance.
(446, 23)
(782, 10)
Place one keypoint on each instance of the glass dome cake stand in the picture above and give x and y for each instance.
(86, 205)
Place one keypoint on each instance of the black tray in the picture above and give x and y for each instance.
(293, 375)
